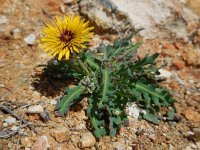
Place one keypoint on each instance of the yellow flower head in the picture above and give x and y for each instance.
(64, 36)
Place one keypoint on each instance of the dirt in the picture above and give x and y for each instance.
(20, 88)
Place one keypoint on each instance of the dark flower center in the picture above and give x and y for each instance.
(66, 36)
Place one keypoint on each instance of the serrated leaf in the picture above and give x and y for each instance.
(112, 126)
(106, 85)
(68, 100)
(133, 49)
(145, 61)
(90, 59)
(146, 89)
(99, 129)
(151, 117)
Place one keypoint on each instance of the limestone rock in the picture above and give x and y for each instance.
(61, 134)
(87, 140)
(26, 142)
(41, 144)
(36, 109)
(164, 74)
(133, 110)
(3, 20)
(120, 15)
(30, 39)
(10, 120)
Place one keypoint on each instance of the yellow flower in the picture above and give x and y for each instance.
(64, 36)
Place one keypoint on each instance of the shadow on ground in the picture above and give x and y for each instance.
(52, 79)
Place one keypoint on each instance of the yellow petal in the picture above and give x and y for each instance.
(67, 54)
(76, 49)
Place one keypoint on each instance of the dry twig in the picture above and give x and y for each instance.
(8, 133)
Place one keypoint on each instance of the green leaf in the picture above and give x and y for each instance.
(151, 117)
(145, 61)
(106, 85)
(90, 59)
(114, 124)
(146, 89)
(65, 103)
(99, 129)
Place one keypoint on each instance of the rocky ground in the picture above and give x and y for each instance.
(34, 99)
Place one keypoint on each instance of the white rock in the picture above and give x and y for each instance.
(41, 144)
(179, 80)
(87, 140)
(164, 74)
(133, 111)
(13, 128)
(119, 145)
(67, 1)
(2, 85)
(5, 124)
(3, 20)
(193, 146)
(198, 144)
(17, 30)
(10, 120)
(191, 81)
(53, 102)
(36, 109)
(17, 33)
(80, 126)
(30, 39)
(146, 14)
(62, 8)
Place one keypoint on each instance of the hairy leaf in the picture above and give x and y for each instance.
(90, 59)
(145, 61)
(151, 117)
(99, 129)
(106, 85)
(69, 99)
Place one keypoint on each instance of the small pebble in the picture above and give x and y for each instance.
(133, 111)
(2, 85)
(41, 144)
(53, 102)
(36, 109)
(164, 74)
(13, 128)
(16, 33)
(10, 120)
(191, 81)
(3, 20)
(119, 145)
(67, 1)
(87, 140)
(26, 142)
(5, 124)
(62, 8)
(30, 39)
(61, 134)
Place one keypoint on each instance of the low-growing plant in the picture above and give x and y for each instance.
(110, 79)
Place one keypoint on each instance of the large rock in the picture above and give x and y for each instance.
(160, 18)
(195, 5)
